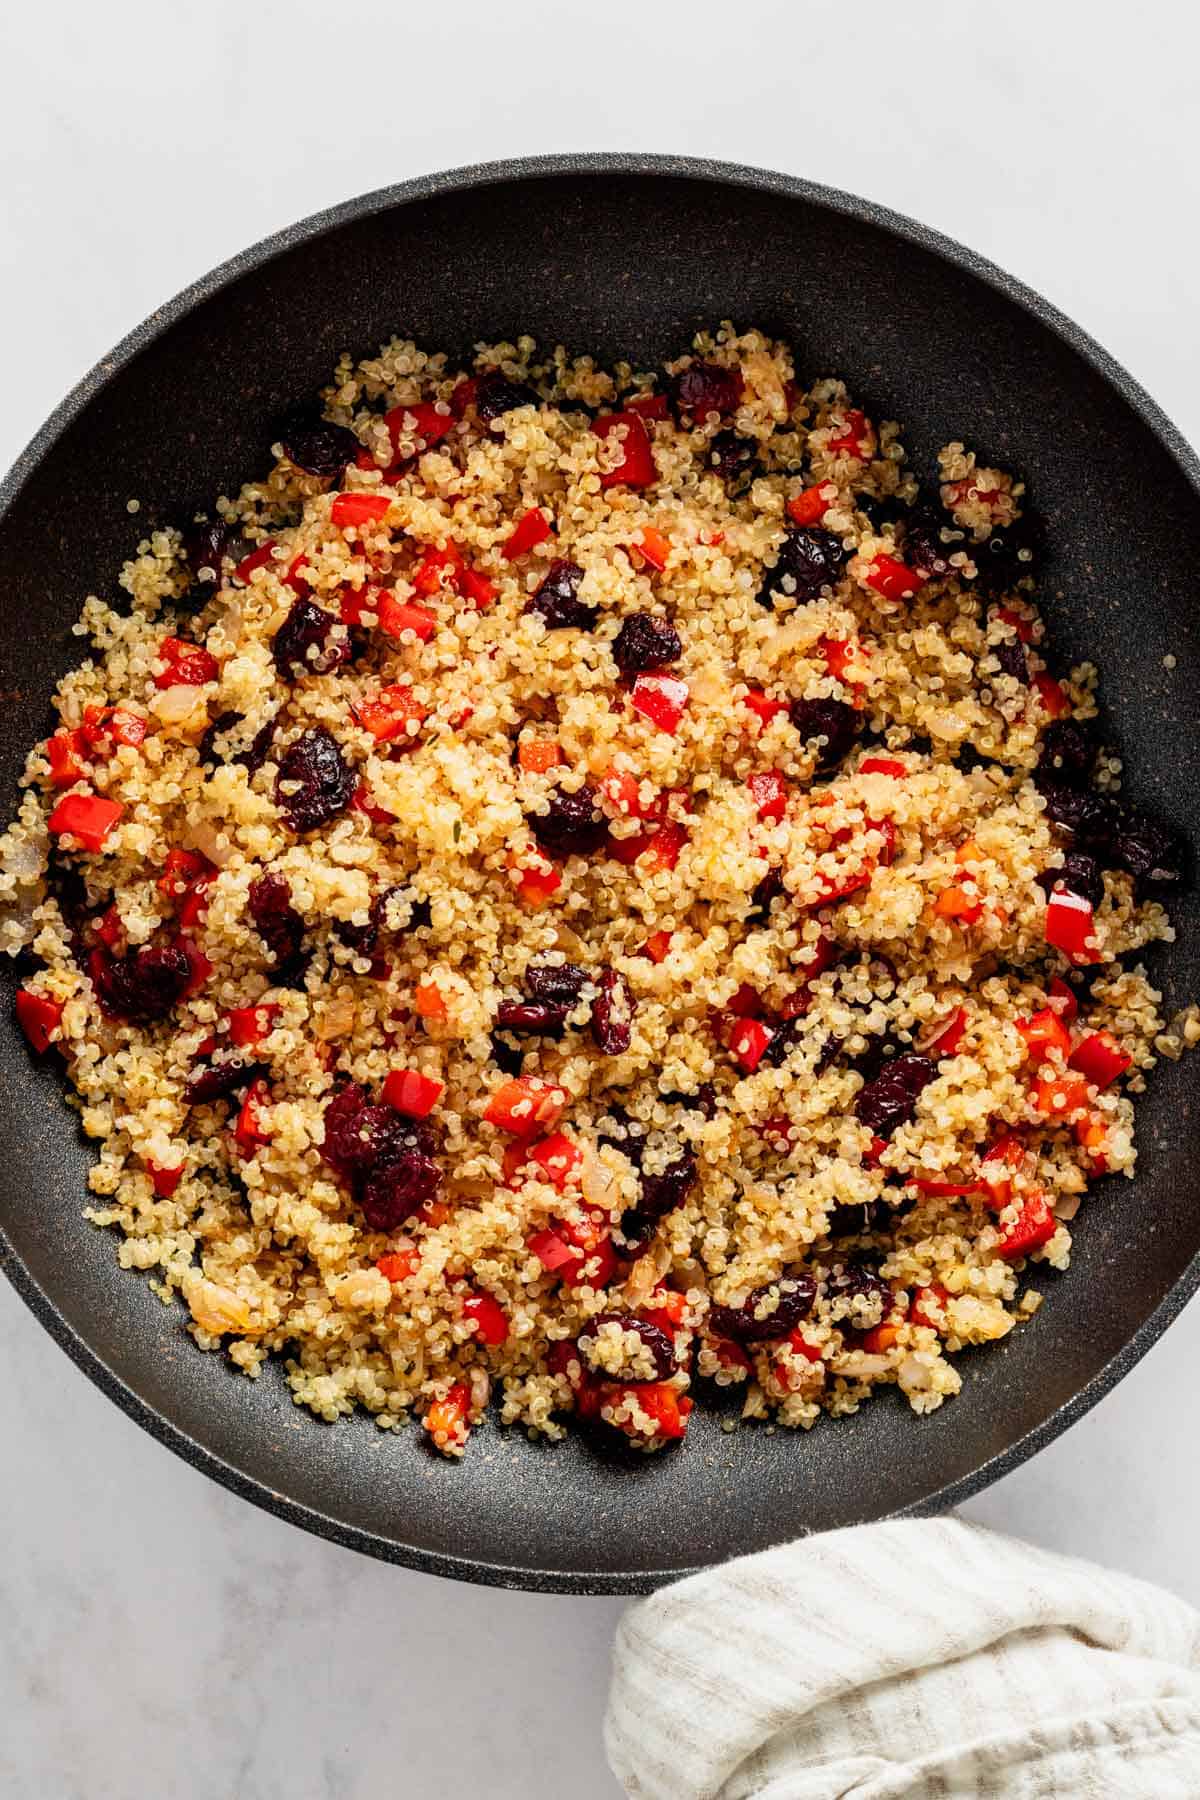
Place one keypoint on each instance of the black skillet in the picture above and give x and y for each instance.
(621, 256)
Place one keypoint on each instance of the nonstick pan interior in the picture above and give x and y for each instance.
(621, 257)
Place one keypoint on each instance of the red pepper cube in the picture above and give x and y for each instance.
(201, 967)
(621, 790)
(39, 1017)
(88, 817)
(1020, 624)
(840, 656)
(552, 1251)
(636, 468)
(745, 1002)
(187, 664)
(164, 1178)
(251, 1132)
(398, 1265)
(748, 1042)
(257, 559)
(1052, 695)
(359, 509)
(1035, 1226)
(663, 846)
(413, 1093)
(893, 579)
(1045, 1032)
(437, 568)
(531, 529)
(882, 765)
(667, 1410)
(558, 1158)
(109, 929)
(652, 547)
(649, 406)
(526, 1105)
(661, 699)
(534, 876)
(392, 714)
(397, 616)
(926, 1303)
(763, 709)
(1070, 923)
(418, 420)
(1100, 1059)
(1061, 1098)
(768, 790)
(1062, 998)
(595, 1269)
(180, 870)
(363, 803)
(810, 507)
(447, 1419)
(950, 1036)
(476, 588)
(251, 1024)
(658, 946)
(854, 439)
(65, 752)
(488, 1318)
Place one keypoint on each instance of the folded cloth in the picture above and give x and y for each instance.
(916, 1658)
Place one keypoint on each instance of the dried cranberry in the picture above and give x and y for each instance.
(808, 560)
(1080, 874)
(1012, 659)
(310, 641)
(363, 939)
(393, 1190)
(557, 600)
(507, 1058)
(560, 983)
(315, 783)
(785, 1037)
(208, 743)
(646, 642)
(347, 1144)
(653, 1338)
(496, 394)
(625, 1132)
(318, 447)
(834, 720)
(1089, 816)
(218, 1077)
(612, 1014)
(753, 1323)
(532, 1018)
(204, 547)
(572, 824)
(1150, 851)
(1009, 554)
(1068, 752)
(732, 456)
(925, 548)
(768, 889)
(146, 984)
(663, 1193)
(845, 1220)
(891, 1098)
(857, 1280)
(705, 387)
(279, 925)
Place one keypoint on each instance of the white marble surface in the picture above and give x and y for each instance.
(157, 1635)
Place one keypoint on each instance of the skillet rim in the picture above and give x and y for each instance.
(423, 187)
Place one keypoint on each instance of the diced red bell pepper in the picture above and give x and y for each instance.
(621, 790)
(187, 664)
(873, 1152)
(661, 699)
(537, 756)
(1070, 924)
(1044, 1032)
(359, 509)
(745, 1002)
(1052, 695)
(200, 966)
(748, 1042)
(393, 715)
(419, 419)
(531, 529)
(1091, 1134)
(769, 791)
(295, 578)
(88, 817)
(840, 655)
(446, 1420)
(879, 1338)
(109, 928)
(947, 1190)
(595, 1270)
(882, 765)
(396, 616)
(636, 468)
(413, 1093)
(810, 507)
(649, 406)
(363, 803)
(398, 1265)
(956, 903)
(437, 569)
(652, 547)
(668, 1410)
(1035, 1226)
(195, 905)
(534, 876)
(164, 1178)
(763, 709)
(463, 396)
(488, 1317)
(476, 588)
(558, 1157)
(951, 1035)
(64, 752)
(552, 1251)
(1061, 996)
(526, 1105)
(251, 1024)
(893, 579)
(663, 848)
(251, 1131)
(1020, 624)
(104, 726)
(38, 1016)
(1059, 1097)
(854, 438)
(257, 559)
(731, 1356)
(1100, 1059)
(180, 870)
(924, 1300)
(430, 1001)
(658, 946)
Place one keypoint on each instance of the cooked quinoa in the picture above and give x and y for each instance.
(580, 887)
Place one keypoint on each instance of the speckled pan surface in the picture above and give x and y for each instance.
(621, 256)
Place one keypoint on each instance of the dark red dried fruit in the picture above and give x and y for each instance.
(612, 1014)
(310, 641)
(207, 750)
(808, 560)
(1009, 554)
(891, 1098)
(218, 1077)
(1089, 816)
(318, 447)
(572, 825)
(857, 1280)
(532, 1018)
(771, 1311)
(251, 759)
(279, 925)
(1080, 874)
(646, 642)
(557, 600)
(768, 889)
(560, 983)
(834, 720)
(386, 1157)
(663, 1193)
(392, 1191)
(143, 986)
(1012, 659)
(1069, 752)
(704, 388)
(925, 549)
(652, 1336)
(364, 939)
(1154, 854)
(496, 394)
(732, 456)
(315, 783)
(204, 547)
